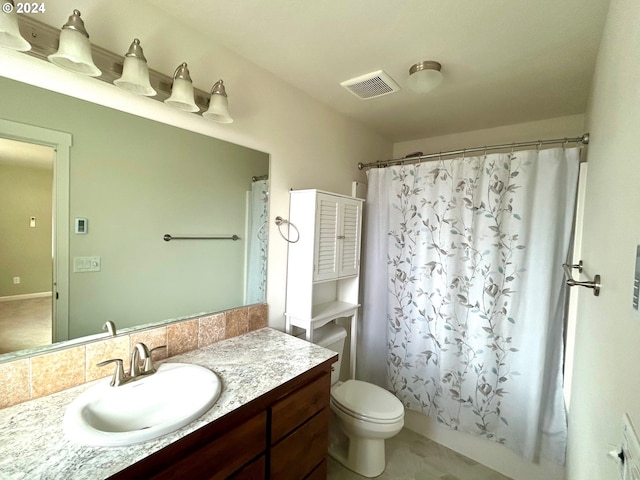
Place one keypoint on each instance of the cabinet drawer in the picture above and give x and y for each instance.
(320, 472)
(297, 455)
(222, 456)
(297, 407)
(256, 470)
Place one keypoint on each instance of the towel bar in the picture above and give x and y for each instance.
(168, 238)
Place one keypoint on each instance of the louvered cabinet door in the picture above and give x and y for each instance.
(326, 251)
(349, 238)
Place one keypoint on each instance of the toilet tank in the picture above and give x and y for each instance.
(331, 336)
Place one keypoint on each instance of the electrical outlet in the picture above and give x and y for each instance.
(630, 450)
(16, 280)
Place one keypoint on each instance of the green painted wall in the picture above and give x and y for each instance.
(25, 252)
(135, 180)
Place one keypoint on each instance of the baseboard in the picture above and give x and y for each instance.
(25, 296)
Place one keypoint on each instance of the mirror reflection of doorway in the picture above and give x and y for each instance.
(26, 245)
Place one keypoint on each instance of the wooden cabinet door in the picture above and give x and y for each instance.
(296, 408)
(221, 457)
(296, 456)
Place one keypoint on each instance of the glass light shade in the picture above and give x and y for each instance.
(74, 53)
(182, 96)
(218, 104)
(10, 32)
(424, 77)
(135, 72)
(218, 109)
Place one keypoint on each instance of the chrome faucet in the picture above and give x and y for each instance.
(140, 366)
(140, 354)
(110, 327)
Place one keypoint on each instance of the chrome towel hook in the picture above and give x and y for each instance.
(594, 284)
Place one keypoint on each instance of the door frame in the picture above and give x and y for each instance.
(61, 143)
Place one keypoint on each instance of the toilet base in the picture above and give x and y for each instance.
(365, 457)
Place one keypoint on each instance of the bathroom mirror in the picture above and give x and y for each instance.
(131, 182)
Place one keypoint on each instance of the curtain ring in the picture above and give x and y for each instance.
(513, 146)
(464, 153)
(539, 145)
(279, 222)
(485, 152)
(565, 143)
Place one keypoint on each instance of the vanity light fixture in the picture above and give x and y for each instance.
(218, 104)
(74, 52)
(10, 36)
(424, 76)
(129, 73)
(182, 96)
(135, 72)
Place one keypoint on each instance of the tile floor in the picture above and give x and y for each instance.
(25, 324)
(413, 457)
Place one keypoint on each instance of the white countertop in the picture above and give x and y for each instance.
(33, 445)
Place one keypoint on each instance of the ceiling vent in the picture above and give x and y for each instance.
(371, 85)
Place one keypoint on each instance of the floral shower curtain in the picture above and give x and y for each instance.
(463, 307)
(256, 290)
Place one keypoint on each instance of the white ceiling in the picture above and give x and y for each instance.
(503, 61)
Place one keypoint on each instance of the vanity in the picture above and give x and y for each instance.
(270, 421)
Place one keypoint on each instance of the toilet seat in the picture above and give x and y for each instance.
(367, 402)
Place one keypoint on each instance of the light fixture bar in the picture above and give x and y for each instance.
(44, 41)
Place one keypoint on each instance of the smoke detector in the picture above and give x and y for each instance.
(371, 85)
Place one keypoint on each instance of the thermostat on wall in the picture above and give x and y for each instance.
(82, 225)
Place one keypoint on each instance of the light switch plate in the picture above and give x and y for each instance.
(86, 264)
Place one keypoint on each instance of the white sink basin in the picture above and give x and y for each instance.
(144, 409)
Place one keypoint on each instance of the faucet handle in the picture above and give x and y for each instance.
(148, 363)
(157, 348)
(118, 376)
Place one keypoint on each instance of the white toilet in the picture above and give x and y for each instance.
(363, 415)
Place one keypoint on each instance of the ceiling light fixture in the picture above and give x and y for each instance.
(182, 91)
(10, 36)
(218, 104)
(135, 72)
(74, 52)
(424, 76)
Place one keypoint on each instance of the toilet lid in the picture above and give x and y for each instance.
(367, 400)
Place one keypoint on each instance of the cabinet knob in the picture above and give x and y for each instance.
(341, 237)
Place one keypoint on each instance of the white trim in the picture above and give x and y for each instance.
(25, 296)
(572, 309)
(61, 142)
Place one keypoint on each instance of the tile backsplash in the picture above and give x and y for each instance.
(44, 374)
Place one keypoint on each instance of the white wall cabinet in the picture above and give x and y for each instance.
(324, 264)
(337, 237)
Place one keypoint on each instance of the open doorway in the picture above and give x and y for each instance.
(26, 245)
(52, 289)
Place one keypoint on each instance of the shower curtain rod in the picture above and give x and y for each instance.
(584, 139)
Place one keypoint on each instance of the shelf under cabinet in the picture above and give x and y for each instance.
(324, 313)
